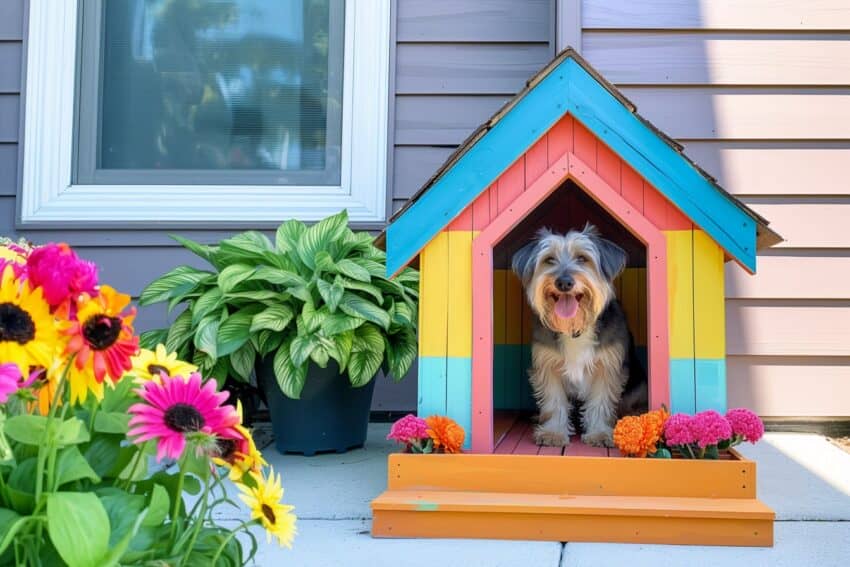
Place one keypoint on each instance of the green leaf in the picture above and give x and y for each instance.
(235, 331)
(369, 288)
(103, 453)
(354, 305)
(341, 351)
(180, 332)
(273, 318)
(290, 377)
(320, 356)
(319, 237)
(111, 422)
(268, 341)
(27, 429)
(180, 280)
(149, 339)
(278, 276)
(234, 275)
(242, 360)
(207, 334)
(122, 509)
(209, 302)
(403, 315)
(20, 486)
(71, 432)
(339, 323)
(331, 293)
(158, 506)
(71, 466)
(288, 234)
(78, 526)
(375, 269)
(353, 271)
(324, 262)
(401, 351)
(204, 251)
(301, 347)
(249, 245)
(367, 354)
(260, 295)
(119, 398)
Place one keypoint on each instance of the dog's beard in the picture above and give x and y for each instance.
(545, 304)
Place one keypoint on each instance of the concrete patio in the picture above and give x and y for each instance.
(804, 478)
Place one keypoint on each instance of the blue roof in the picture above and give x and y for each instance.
(569, 85)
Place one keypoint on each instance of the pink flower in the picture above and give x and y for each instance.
(408, 429)
(745, 424)
(60, 273)
(678, 430)
(11, 380)
(177, 407)
(710, 428)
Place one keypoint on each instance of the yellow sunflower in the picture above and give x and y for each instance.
(149, 364)
(239, 455)
(264, 502)
(28, 333)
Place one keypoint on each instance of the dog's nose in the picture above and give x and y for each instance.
(565, 283)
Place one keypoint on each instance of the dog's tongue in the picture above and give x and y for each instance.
(566, 307)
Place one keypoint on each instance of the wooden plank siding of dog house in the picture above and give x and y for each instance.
(568, 124)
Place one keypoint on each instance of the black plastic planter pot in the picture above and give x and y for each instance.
(330, 416)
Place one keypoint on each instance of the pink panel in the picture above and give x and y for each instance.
(560, 138)
(512, 440)
(511, 183)
(463, 221)
(632, 186)
(585, 145)
(544, 450)
(481, 211)
(526, 445)
(536, 161)
(661, 212)
(579, 449)
(482, 346)
(608, 166)
(494, 200)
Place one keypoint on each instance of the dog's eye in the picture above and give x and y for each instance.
(550, 260)
(581, 259)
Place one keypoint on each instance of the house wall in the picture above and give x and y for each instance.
(455, 62)
(756, 92)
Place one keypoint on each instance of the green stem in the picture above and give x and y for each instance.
(199, 522)
(138, 459)
(178, 498)
(230, 536)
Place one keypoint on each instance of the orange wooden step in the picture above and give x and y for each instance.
(566, 517)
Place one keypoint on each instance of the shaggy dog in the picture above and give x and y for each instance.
(581, 348)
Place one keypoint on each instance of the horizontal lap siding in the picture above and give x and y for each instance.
(759, 94)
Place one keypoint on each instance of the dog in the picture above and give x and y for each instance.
(581, 349)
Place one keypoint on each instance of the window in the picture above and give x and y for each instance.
(205, 111)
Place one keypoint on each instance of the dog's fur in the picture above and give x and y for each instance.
(586, 357)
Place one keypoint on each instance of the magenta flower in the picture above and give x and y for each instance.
(408, 430)
(11, 380)
(177, 407)
(60, 273)
(678, 430)
(710, 428)
(745, 424)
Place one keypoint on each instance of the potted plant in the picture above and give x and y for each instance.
(313, 311)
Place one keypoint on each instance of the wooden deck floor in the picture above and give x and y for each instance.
(513, 434)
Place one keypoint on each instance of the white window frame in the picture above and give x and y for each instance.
(48, 196)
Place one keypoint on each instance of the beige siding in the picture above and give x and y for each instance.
(758, 93)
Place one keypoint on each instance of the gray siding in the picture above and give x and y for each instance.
(456, 61)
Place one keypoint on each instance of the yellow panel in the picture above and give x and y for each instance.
(513, 310)
(640, 337)
(460, 293)
(499, 277)
(709, 320)
(680, 287)
(434, 296)
(630, 298)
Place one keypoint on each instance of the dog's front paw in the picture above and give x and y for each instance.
(551, 438)
(598, 439)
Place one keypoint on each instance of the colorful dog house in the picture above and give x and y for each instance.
(567, 150)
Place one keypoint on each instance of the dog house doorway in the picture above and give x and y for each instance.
(502, 321)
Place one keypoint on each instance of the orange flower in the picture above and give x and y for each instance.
(446, 433)
(628, 436)
(653, 427)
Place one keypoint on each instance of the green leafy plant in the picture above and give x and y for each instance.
(316, 294)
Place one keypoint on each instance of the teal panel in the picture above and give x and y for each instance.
(570, 88)
(710, 384)
(459, 394)
(510, 377)
(682, 386)
(432, 386)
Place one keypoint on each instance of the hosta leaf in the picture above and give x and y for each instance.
(180, 331)
(302, 347)
(290, 377)
(311, 319)
(249, 245)
(403, 315)
(401, 350)
(207, 334)
(268, 341)
(340, 322)
(261, 295)
(320, 356)
(319, 236)
(273, 318)
(288, 234)
(149, 339)
(78, 526)
(368, 337)
(354, 305)
(180, 280)
(204, 251)
(369, 288)
(210, 301)
(353, 270)
(242, 360)
(375, 269)
(235, 331)
(233, 275)
(331, 293)
(341, 350)
(324, 262)
(367, 354)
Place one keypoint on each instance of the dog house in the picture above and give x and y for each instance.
(567, 150)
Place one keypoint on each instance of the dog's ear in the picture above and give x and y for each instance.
(612, 258)
(523, 262)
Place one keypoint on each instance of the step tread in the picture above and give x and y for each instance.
(516, 502)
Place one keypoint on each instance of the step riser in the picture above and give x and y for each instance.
(573, 528)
